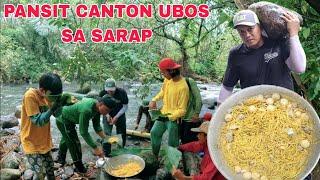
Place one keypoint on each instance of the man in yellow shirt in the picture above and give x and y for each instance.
(175, 96)
(35, 124)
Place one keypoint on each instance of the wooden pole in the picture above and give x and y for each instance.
(138, 133)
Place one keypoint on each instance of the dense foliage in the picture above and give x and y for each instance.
(29, 47)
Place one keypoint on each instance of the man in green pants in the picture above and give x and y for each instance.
(81, 113)
(175, 95)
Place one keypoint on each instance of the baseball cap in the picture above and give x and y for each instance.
(245, 17)
(145, 103)
(110, 85)
(168, 63)
(202, 128)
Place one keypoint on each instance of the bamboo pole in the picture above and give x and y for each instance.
(138, 133)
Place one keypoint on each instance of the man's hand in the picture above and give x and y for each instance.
(177, 174)
(195, 118)
(153, 105)
(114, 120)
(108, 118)
(293, 23)
(98, 151)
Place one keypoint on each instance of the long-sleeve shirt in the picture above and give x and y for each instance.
(195, 102)
(207, 169)
(175, 97)
(81, 113)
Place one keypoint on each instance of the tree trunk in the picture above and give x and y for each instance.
(243, 4)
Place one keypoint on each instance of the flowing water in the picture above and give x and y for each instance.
(11, 97)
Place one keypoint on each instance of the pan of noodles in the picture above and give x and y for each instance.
(265, 132)
(125, 165)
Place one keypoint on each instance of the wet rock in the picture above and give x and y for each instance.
(8, 121)
(59, 172)
(9, 174)
(12, 131)
(4, 132)
(209, 99)
(11, 161)
(84, 90)
(63, 176)
(28, 174)
(92, 94)
(68, 171)
(17, 113)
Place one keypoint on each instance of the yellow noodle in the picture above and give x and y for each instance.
(261, 142)
(126, 170)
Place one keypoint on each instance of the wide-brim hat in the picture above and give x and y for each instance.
(202, 128)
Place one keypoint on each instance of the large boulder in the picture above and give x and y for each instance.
(11, 161)
(269, 15)
(8, 121)
(10, 174)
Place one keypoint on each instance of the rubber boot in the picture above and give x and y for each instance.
(79, 167)
(61, 158)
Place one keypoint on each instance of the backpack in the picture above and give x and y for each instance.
(192, 94)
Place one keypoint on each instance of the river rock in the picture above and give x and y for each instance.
(11, 161)
(8, 121)
(68, 171)
(10, 174)
(13, 130)
(17, 113)
(28, 174)
(84, 90)
(4, 132)
(92, 94)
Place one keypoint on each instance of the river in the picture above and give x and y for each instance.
(11, 97)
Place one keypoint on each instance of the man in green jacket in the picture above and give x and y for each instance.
(81, 113)
(191, 118)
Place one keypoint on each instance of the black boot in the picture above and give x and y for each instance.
(61, 158)
(80, 167)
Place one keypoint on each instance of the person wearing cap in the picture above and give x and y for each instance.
(82, 112)
(117, 116)
(144, 109)
(260, 60)
(174, 94)
(207, 169)
(37, 107)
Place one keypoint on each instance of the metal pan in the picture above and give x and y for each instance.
(217, 122)
(114, 162)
